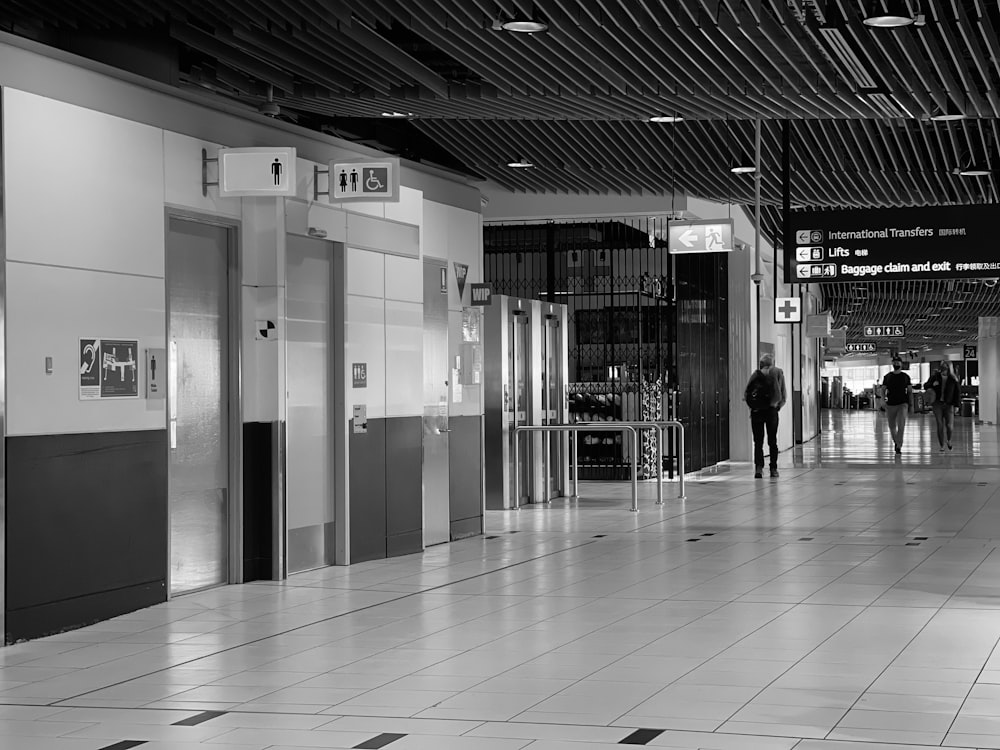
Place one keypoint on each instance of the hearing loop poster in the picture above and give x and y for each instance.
(109, 368)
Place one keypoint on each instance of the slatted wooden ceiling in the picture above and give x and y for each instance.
(575, 101)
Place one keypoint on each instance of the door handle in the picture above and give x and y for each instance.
(172, 393)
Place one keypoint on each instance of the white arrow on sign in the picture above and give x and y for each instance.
(688, 237)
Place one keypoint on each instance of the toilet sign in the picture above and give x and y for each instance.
(365, 181)
(256, 172)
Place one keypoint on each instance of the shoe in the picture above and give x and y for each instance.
(774, 473)
(949, 446)
(941, 449)
(758, 475)
(898, 449)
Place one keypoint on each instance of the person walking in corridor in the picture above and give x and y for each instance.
(897, 401)
(765, 395)
(947, 398)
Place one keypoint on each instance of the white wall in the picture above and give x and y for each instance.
(85, 196)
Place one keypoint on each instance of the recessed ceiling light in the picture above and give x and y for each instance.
(520, 164)
(935, 315)
(743, 169)
(525, 26)
(666, 118)
(945, 307)
(921, 320)
(397, 114)
(960, 330)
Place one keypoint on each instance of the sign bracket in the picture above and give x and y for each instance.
(316, 173)
(205, 184)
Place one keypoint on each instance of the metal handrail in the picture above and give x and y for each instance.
(660, 426)
(632, 427)
(577, 427)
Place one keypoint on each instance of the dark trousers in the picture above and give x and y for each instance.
(761, 420)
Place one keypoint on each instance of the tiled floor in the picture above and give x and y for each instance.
(854, 602)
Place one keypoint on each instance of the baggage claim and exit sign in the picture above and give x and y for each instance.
(889, 244)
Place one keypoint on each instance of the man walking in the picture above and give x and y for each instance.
(897, 401)
(765, 395)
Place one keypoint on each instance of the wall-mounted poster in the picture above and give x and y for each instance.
(109, 368)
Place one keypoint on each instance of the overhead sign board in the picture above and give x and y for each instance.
(704, 236)
(861, 347)
(257, 172)
(891, 244)
(787, 310)
(365, 180)
(970, 351)
(881, 331)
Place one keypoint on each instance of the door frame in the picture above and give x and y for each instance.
(335, 416)
(234, 286)
(441, 264)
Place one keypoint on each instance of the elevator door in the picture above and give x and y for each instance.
(197, 270)
(437, 514)
(309, 507)
(519, 355)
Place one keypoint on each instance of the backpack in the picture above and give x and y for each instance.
(760, 391)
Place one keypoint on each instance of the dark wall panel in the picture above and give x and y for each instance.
(258, 442)
(86, 528)
(404, 497)
(367, 491)
(464, 461)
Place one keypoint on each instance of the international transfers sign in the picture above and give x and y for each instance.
(889, 244)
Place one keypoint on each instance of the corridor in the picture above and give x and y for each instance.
(853, 601)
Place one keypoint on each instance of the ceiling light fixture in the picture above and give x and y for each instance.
(974, 170)
(666, 118)
(525, 26)
(895, 15)
(950, 114)
(397, 114)
(741, 168)
(520, 164)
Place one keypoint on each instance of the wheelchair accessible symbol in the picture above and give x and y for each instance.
(376, 180)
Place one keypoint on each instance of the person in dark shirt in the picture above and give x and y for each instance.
(947, 398)
(764, 417)
(897, 401)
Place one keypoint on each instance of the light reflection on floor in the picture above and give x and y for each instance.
(862, 437)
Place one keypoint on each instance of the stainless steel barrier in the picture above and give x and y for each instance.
(633, 428)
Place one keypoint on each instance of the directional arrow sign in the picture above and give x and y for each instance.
(703, 236)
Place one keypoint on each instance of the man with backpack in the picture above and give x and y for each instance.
(765, 395)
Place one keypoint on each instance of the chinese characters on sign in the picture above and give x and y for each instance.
(892, 244)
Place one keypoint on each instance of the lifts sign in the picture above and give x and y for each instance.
(945, 242)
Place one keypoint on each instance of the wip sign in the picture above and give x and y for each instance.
(892, 244)
(708, 236)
